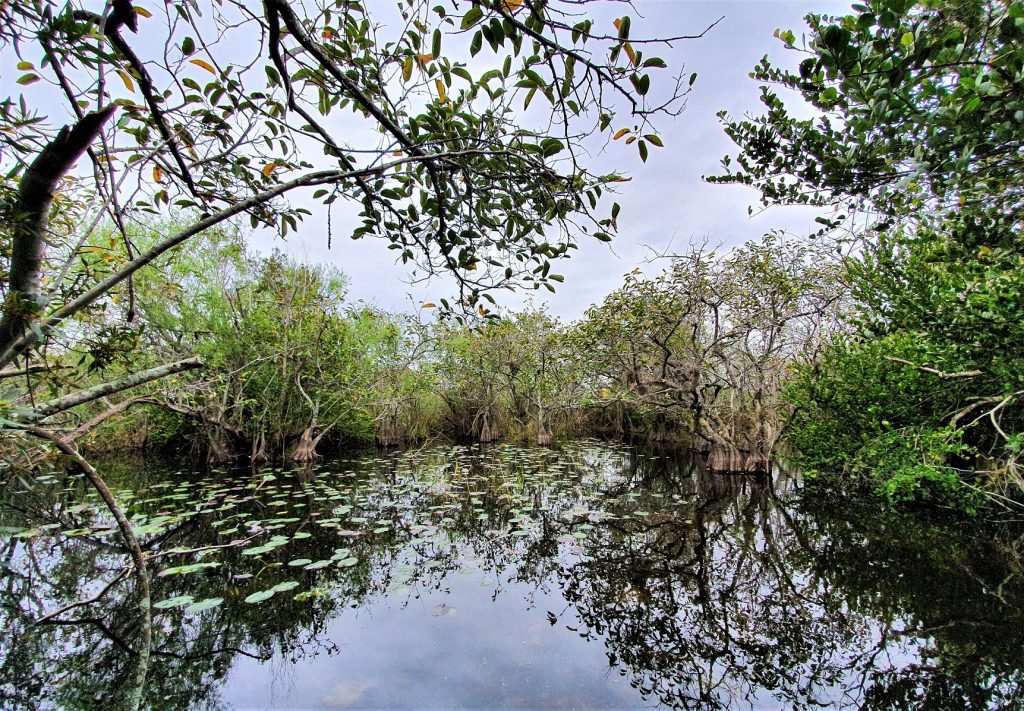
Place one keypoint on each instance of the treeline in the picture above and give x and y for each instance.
(885, 351)
(694, 356)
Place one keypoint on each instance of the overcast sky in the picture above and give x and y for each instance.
(666, 206)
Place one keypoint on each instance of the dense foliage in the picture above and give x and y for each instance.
(695, 356)
(918, 150)
(701, 351)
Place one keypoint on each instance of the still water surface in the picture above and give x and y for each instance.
(588, 576)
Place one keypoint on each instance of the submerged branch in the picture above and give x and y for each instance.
(138, 557)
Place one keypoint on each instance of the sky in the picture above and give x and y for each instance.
(665, 207)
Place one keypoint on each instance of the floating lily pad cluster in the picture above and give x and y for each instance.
(386, 525)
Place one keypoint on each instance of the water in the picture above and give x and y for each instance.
(589, 576)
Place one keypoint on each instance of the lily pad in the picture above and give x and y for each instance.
(260, 596)
(186, 569)
(206, 604)
(178, 601)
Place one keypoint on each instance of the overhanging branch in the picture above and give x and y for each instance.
(66, 402)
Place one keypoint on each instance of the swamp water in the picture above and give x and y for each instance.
(587, 576)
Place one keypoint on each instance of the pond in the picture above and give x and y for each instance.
(584, 576)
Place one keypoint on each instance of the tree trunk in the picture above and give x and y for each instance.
(258, 455)
(31, 219)
(220, 450)
(305, 450)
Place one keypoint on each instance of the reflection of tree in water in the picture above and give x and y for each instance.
(706, 590)
(72, 665)
(736, 601)
(77, 666)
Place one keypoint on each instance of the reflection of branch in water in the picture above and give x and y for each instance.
(81, 603)
(712, 655)
(138, 558)
(99, 624)
(723, 596)
(213, 652)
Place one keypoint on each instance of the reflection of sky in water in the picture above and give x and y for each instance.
(484, 654)
(583, 577)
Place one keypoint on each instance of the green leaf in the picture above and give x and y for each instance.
(179, 601)
(204, 604)
(551, 146)
(472, 16)
(186, 569)
(435, 46)
(529, 97)
(260, 596)
(623, 25)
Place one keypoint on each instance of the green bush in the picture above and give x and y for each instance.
(867, 418)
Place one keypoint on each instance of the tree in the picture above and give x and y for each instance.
(705, 347)
(917, 147)
(287, 361)
(392, 116)
(517, 375)
(918, 104)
